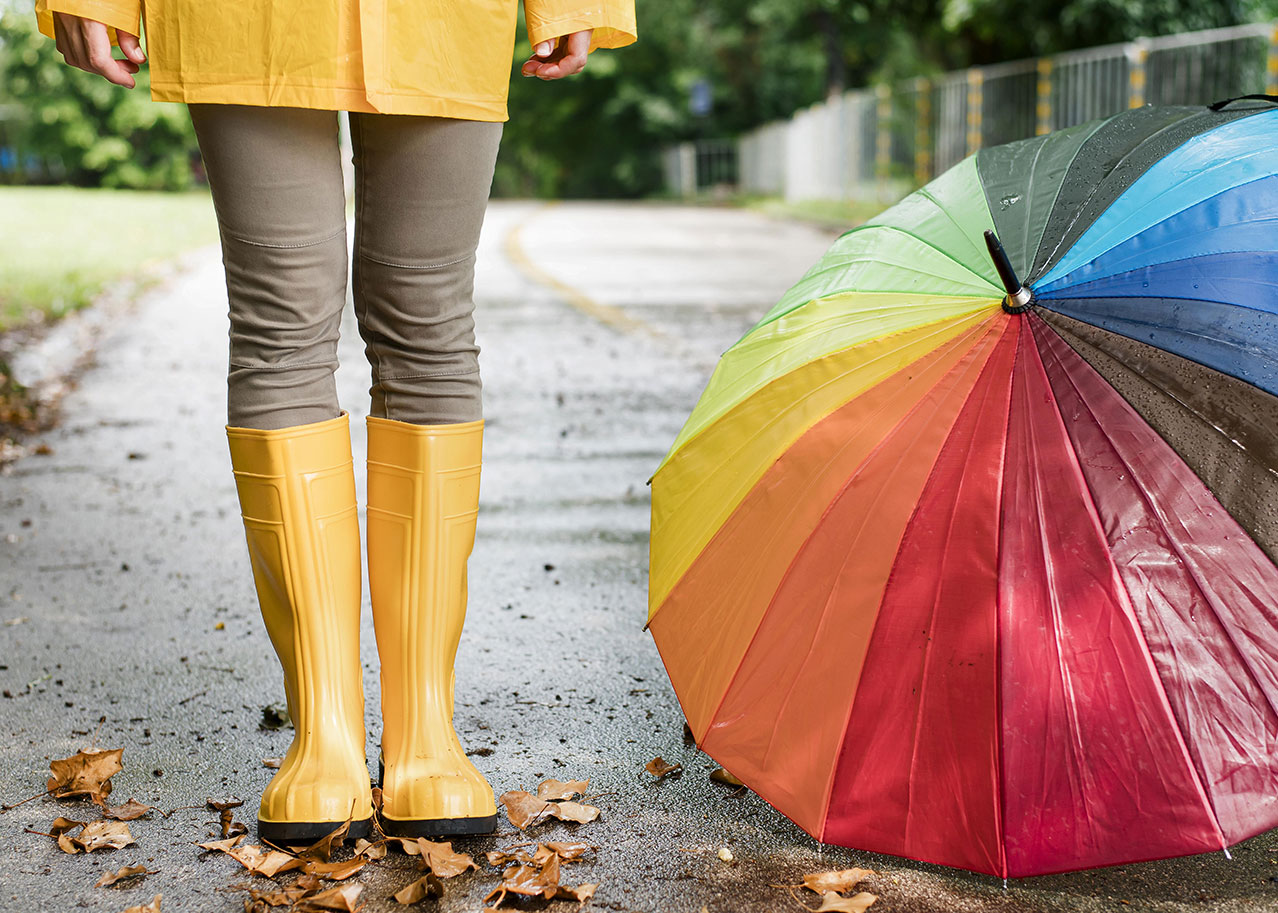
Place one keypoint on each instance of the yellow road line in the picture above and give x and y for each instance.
(607, 314)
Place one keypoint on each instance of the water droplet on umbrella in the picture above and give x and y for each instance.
(1010, 201)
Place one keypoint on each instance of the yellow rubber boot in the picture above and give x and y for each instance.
(423, 496)
(297, 496)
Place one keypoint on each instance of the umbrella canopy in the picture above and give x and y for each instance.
(980, 570)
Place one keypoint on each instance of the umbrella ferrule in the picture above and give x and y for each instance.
(1019, 298)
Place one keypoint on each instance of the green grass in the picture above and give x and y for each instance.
(830, 213)
(60, 246)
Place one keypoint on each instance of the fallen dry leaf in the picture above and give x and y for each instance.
(719, 775)
(528, 880)
(659, 767)
(442, 859)
(262, 861)
(575, 811)
(272, 763)
(336, 871)
(581, 893)
(129, 811)
(221, 846)
(322, 849)
(129, 871)
(567, 852)
(555, 790)
(61, 830)
(370, 849)
(428, 885)
(257, 859)
(264, 900)
(152, 907)
(85, 773)
(833, 902)
(523, 809)
(842, 881)
(104, 835)
(343, 898)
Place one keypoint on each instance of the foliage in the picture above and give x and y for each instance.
(84, 129)
(600, 133)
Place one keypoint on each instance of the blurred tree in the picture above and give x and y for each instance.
(599, 133)
(80, 128)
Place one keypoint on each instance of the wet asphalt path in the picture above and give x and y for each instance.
(125, 592)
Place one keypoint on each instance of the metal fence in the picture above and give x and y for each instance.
(875, 142)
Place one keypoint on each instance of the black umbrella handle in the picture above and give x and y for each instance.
(1221, 105)
(1018, 299)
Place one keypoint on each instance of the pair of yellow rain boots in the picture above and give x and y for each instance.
(297, 497)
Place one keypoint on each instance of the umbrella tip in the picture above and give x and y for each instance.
(1018, 298)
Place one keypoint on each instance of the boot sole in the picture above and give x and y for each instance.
(438, 827)
(291, 833)
(432, 827)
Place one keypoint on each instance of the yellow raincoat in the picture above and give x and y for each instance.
(449, 58)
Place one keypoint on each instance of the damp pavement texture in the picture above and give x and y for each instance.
(125, 593)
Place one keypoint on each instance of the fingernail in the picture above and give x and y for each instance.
(543, 49)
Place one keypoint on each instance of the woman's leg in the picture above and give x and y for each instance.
(421, 188)
(276, 179)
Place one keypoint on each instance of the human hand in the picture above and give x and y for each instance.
(84, 43)
(560, 57)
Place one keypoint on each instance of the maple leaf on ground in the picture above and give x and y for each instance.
(129, 871)
(555, 790)
(659, 767)
(841, 881)
(152, 907)
(104, 835)
(428, 885)
(129, 811)
(833, 902)
(343, 898)
(85, 773)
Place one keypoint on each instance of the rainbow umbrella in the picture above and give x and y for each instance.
(979, 569)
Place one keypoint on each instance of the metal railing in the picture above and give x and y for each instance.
(879, 142)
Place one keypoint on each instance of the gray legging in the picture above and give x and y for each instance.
(421, 187)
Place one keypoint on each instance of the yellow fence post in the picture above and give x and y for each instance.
(923, 132)
(882, 135)
(1043, 110)
(975, 84)
(1272, 81)
(1137, 55)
